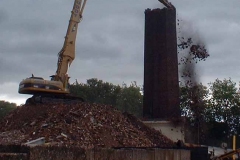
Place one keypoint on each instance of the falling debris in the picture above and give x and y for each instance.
(199, 51)
(84, 125)
(191, 44)
(191, 50)
(196, 52)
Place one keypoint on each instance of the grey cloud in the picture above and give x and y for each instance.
(3, 16)
(114, 71)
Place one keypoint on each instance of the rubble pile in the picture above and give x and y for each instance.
(82, 124)
(14, 136)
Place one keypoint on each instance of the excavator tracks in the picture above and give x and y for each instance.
(53, 98)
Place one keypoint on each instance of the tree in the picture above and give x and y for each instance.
(130, 99)
(125, 98)
(224, 107)
(96, 91)
(6, 107)
(193, 101)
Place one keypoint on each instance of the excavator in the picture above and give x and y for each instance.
(57, 88)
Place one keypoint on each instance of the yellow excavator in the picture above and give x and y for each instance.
(58, 87)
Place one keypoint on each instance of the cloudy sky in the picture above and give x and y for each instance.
(110, 39)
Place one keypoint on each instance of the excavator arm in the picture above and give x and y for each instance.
(167, 4)
(67, 53)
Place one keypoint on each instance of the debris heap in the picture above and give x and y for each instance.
(84, 125)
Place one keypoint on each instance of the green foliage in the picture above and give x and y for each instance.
(193, 100)
(97, 91)
(125, 98)
(213, 113)
(216, 131)
(5, 108)
(224, 105)
(130, 99)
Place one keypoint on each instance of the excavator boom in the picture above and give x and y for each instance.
(167, 4)
(67, 53)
